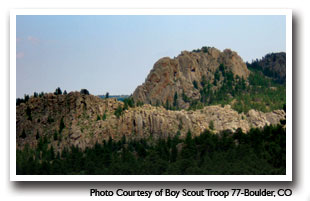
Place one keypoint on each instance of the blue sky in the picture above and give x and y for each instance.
(115, 53)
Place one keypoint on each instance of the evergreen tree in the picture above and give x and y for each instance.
(195, 84)
(55, 135)
(104, 117)
(38, 135)
(28, 113)
(61, 125)
(23, 135)
(58, 91)
(84, 91)
(175, 100)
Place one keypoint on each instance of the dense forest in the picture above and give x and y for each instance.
(272, 65)
(258, 152)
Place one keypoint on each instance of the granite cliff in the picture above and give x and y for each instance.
(176, 76)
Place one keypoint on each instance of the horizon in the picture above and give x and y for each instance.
(115, 53)
(111, 95)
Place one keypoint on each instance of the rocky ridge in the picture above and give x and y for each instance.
(89, 119)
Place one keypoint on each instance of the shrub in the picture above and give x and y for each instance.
(211, 125)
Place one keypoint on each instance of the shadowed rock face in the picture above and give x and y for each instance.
(170, 76)
(83, 128)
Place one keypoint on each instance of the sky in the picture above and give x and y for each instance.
(115, 53)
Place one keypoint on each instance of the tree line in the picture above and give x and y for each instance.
(258, 152)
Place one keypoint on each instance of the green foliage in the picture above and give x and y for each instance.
(261, 93)
(58, 91)
(217, 75)
(140, 103)
(26, 98)
(107, 95)
(195, 84)
(196, 105)
(175, 101)
(28, 113)
(61, 125)
(204, 49)
(19, 101)
(211, 125)
(23, 135)
(128, 102)
(104, 117)
(271, 65)
(50, 119)
(204, 81)
(98, 118)
(37, 135)
(84, 92)
(119, 111)
(258, 152)
(55, 135)
(185, 98)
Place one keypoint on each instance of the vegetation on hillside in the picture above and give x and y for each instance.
(272, 65)
(257, 152)
(259, 92)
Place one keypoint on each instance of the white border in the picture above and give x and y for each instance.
(286, 12)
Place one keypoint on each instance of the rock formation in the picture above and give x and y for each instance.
(171, 76)
(89, 119)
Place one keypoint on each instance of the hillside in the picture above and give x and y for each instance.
(272, 65)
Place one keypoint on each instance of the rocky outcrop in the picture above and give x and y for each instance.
(89, 119)
(171, 76)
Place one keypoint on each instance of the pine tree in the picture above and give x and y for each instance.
(38, 135)
(58, 91)
(104, 117)
(175, 100)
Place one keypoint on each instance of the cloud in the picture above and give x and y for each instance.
(33, 40)
(20, 55)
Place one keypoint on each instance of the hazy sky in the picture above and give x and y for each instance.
(115, 53)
